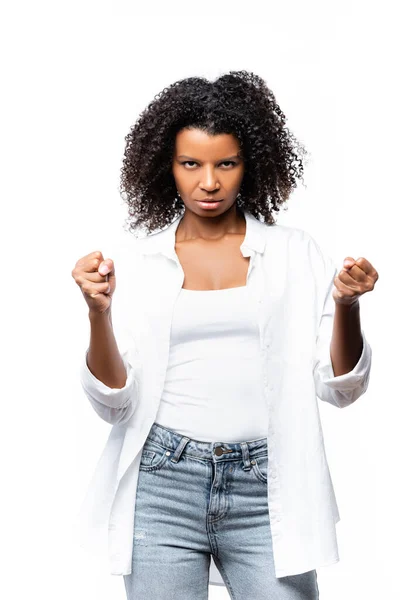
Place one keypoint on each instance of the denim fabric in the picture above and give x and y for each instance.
(195, 499)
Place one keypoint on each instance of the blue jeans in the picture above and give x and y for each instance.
(195, 499)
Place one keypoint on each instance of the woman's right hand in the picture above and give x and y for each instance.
(96, 279)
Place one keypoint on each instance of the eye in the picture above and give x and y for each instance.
(226, 162)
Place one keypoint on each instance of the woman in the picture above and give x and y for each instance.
(225, 322)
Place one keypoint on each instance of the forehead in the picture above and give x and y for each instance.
(199, 143)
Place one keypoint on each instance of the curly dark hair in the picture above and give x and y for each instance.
(238, 103)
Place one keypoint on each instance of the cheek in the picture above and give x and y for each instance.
(177, 170)
(180, 175)
(236, 180)
(239, 175)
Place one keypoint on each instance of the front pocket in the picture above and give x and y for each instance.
(261, 467)
(152, 460)
(147, 458)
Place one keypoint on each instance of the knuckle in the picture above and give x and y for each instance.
(87, 289)
(80, 280)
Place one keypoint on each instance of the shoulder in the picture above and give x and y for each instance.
(303, 247)
(126, 254)
(295, 235)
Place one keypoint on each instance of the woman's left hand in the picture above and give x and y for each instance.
(356, 278)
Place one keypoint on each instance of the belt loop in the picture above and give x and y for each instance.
(246, 456)
(180, 448)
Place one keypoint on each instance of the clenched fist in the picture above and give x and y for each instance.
(96, 278)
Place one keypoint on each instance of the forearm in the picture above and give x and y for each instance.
(103, 358)
(346, 344)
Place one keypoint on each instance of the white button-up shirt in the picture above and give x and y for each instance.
(292, 281)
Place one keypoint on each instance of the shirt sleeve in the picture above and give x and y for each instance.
(117, 405)
(113, 405)
(345, 389)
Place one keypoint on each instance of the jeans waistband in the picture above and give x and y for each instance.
(213, 451)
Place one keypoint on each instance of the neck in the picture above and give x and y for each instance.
(193, 226)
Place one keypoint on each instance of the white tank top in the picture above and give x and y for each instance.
(213, 388)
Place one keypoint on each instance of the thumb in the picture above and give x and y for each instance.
(348, 262)
(107, 266)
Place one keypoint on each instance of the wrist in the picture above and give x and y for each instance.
(99, 316)
(347, 307)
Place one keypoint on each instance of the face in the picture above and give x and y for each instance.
(207, 167)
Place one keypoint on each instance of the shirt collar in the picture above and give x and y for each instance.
(164, 241)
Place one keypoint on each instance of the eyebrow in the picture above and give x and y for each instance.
(222, 159)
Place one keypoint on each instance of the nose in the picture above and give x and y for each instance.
(209, 182)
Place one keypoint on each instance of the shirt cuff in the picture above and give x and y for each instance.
(352, 379)
(111, 397)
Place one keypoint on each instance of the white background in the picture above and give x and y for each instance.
(75, 76)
